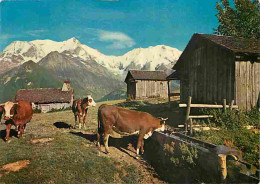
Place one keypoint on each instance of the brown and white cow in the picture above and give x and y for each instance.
(125, 122)
(18, 113)
(80, 109)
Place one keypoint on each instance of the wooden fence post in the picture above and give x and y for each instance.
(191, 126)
(169, 93)
(224, 104)
(231, 105)
(187, 113)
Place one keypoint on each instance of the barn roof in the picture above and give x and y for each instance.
(237, 45)
(44, 95)
(147, 75)
(173, 76)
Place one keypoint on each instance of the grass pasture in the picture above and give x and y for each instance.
(71, 157)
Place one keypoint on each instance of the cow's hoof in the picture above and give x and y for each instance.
(7, 141)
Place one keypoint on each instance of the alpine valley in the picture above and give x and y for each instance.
(46, 64)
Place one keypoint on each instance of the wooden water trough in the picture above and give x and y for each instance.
(211, 158)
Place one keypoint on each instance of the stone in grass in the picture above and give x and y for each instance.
(15, 166)
(42, 140)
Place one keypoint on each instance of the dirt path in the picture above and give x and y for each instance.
(124, 154)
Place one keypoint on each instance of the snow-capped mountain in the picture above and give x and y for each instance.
(151, 58)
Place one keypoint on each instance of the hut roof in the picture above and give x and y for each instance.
(173, 76)
(147, 75)
(237, 45)
(44, 95)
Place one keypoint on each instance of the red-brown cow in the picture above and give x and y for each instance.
(125, 122)
(80, 109)
(19, 114)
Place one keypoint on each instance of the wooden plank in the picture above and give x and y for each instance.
(174, 94)
(243, 87)
(224, 76)
(210, 54)
(229, 83)
(169, 93)
(205, 70)
(207, 106)
(237, 82)
(214, 74)
(201, 116)
(188, 112)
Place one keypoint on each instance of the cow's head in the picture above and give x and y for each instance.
(91, 101)
(9, 110)
(162, 125)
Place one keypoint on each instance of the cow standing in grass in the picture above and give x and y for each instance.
(80, 109)
(19, 114)
(113, 120)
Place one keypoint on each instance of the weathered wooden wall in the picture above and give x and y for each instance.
(208, 74)
(48, 107)
(247, 84)
(150, 89)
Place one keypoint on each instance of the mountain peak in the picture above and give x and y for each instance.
(73, 40)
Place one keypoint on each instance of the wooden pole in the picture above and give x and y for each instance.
(224, 104)
(207, 106)
(231, 105)
(169, 92)
(187, 113)
(191, 126)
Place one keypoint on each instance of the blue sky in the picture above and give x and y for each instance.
(111, 26)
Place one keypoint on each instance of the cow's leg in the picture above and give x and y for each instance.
(84, 121)
(8, 128)
(24, 128)
(79, 121)
(75, 116)
(84, 118)
(139, 143)
(20, 132)
(142, 147)
(106, 136)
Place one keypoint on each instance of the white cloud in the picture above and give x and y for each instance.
(118, 40)
(35, 32)
(4, 37)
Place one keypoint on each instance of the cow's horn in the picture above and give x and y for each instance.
(16, 103)
(2, 104)
(164, 119)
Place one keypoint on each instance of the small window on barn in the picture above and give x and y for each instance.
(161, 83)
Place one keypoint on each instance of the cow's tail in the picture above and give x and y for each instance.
(100, 127)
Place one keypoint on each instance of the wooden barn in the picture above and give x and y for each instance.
(146, 84)
(47, 99)
(213, 68)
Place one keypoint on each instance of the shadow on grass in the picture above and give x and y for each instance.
(62, 125)
(121, 144)
(13, 133)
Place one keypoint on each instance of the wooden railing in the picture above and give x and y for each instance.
(189, 105)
